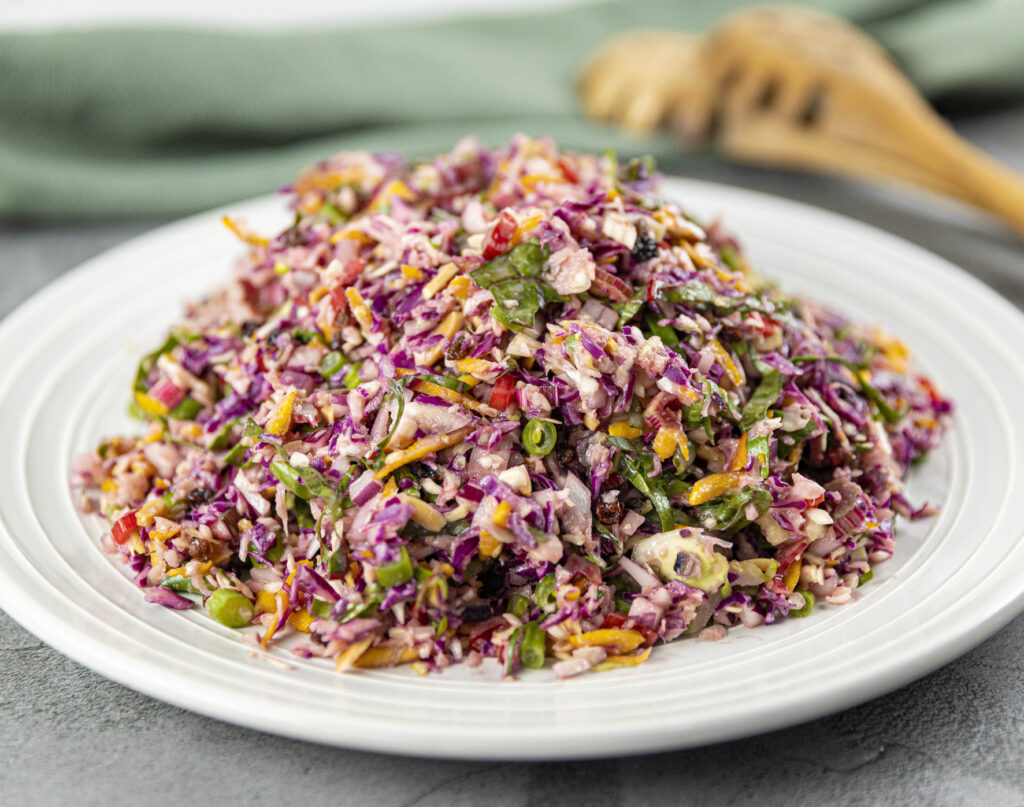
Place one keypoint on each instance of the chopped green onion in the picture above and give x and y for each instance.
(539, 437)
(532, 649)
(179, 583)
(331, 363)
(352, 379)
(806, 608)
(518, 605)
(513, 643)
(864, 578)
(229, 607)
(545, 592)
(332, 213)
(397, 572)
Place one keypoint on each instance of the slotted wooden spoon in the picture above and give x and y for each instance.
(793, 87)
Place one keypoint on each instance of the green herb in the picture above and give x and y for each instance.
(236, 455)
(695, 291)
(889, 414)
(372, 597)
(799, 435)
(668, 335)
(867, 576)
(728, 511)
(766, 394)
(253, 430)
(441, 380)
(629, 308)
(631, 171)
(395, 573)
(303, 515)
(624, 443)
(397, 394)
(337, 561)
(760, 447)
(712, 389)
(303, 482)
(638, 470)
(220, 439)
(321, 609)
(187, 409)
(146, 364)
(514, 280)
(730, 258)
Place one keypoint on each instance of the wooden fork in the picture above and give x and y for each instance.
(793, 87)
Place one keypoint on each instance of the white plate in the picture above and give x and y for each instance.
(67, 360)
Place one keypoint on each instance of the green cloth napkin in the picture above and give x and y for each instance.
(155, 122)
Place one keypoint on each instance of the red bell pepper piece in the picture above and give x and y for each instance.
(499, 238)
(501, 394)
(124, 527)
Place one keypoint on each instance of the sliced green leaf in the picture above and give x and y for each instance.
(766, 394)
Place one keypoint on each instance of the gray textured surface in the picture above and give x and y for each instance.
(952, 738)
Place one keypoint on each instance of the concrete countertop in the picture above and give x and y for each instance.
(953, 738)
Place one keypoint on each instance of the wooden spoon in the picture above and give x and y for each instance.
(793, 87)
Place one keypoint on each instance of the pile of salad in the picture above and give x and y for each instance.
(506, 404)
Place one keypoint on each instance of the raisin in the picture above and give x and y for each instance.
(474, 612)
(644, 248)
(609, 512)
(294, 237)
(202, 550)
(458, 349)
(198, 496)
(421, 470)
(249, 328)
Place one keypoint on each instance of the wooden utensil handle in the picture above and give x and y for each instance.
(983, 180)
